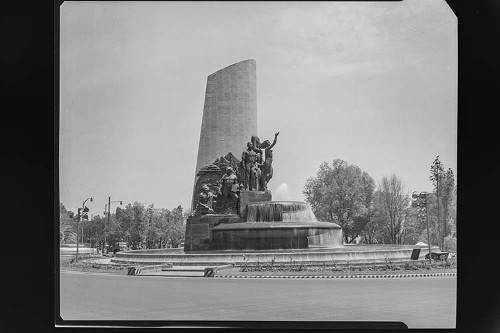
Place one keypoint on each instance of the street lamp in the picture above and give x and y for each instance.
(78, 225)
(108, 205)
(84, 214)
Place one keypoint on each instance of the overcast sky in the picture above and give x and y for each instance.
(374, 84)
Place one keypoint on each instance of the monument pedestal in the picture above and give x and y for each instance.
(247, 197)
(199, 230)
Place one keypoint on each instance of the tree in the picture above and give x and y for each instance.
(413, 226)
(373, 232)
(341, 193)
(138, 225)
(113, 232)
(148, 227)
(448, 200)
(392, 202)
(444, 188)
(126, 217)
(67, 228)
(176, 226)
(155, 227)
(95, 231)
(453, 213)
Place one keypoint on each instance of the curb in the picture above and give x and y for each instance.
(373, 276)
(90, 273)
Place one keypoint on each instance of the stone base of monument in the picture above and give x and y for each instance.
(199, 230)
(247, 197)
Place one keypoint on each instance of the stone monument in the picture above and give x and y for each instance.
(232, 207)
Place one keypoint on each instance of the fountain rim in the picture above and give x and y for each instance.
(345, 248)
(275, 225)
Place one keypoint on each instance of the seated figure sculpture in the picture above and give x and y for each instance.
(205, 201)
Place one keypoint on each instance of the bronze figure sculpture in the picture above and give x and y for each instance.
(229, 190)
(205, 201)
(255, 179)
(248, 160)
(267, 167)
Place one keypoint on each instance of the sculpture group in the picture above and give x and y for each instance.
(252, 173)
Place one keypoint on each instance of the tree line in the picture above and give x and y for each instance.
(382, 214)
(141, 226)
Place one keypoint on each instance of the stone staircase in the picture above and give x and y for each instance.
(176, 271)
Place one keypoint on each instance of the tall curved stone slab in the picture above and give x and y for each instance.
(229, 113)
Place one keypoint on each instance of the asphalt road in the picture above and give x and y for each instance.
(425, 302)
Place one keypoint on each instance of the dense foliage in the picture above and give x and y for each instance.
(140, 226)
(67, 226)
(341, 193)
(344, 194)
(445, 200)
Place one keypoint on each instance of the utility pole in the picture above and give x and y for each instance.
(109, 214)
(109, 205)
(77, 226)
(104, 227)
(438, 210)
(427, 222)
(85, 216)
(80, 214)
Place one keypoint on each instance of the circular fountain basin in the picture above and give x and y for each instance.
(276, 235)
(314, 254)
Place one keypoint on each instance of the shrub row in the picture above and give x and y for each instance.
(388, 266)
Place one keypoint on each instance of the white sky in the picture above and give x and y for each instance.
(374, 84)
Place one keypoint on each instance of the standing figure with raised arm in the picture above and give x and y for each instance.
(267, 166)
(260, 155)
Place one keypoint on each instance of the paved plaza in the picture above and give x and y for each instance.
(418, 302)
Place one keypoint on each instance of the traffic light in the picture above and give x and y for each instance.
(85, 213)
(79, 213)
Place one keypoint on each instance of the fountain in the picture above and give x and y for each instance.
(234, 209)
(277, 225)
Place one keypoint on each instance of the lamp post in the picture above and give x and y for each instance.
(78, 225)
(104, 227)
(109, 213)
